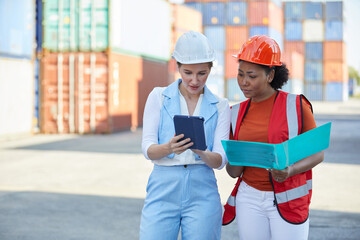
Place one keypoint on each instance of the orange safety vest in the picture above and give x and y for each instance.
(292, 197)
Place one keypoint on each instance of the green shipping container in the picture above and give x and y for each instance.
(75, 25)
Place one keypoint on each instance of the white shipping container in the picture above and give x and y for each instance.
(141, 27)
(16, 96)
(313, 30)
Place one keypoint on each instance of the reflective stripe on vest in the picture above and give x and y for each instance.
(231, 201)
(234, 116)
(294, 193)
(292, 115)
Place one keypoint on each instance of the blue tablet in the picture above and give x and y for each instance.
(192, 127)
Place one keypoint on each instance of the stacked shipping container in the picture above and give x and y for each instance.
(17, 42)
(99, 63)
(314, 30)
(228, 24)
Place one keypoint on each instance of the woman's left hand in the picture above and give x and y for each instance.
(280, 175)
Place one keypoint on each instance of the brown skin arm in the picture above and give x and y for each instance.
(234, 171)
(298, 167)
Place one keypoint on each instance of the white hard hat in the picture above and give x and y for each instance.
(193, 47)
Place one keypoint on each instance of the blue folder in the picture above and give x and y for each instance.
(281, 155)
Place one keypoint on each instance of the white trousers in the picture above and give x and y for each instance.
(258, 219)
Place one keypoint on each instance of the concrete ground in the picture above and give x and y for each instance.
(93, 186)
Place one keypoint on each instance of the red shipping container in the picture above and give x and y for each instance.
(231, 64)
(335, 71)
(334, 51)
(236, 37)
(298, 47)
(265, 13)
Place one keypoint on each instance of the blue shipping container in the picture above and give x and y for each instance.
(218, 68)
(195, 5)
(333, 10)
(293, 31)
(313, 10)
(233, 92)
(334, 30)
(17, 28)
(236, 13)
(336, 91)
(39, 14)
(313, 50)
(313, 71)
(216, 36)
(36, 94)
(294, 10)
(213, 13)
(314, 91)
(273, 33)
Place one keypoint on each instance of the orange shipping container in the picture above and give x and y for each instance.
(295, 63)
(335, 71)
(265, 13)
(235, 37)
(231, 64)
(334, 51)
(298, 47)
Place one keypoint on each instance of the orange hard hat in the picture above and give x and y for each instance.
(260, 49)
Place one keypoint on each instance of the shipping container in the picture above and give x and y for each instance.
(293, 10)
(16, 96)
(218, 68)
(335, 71)
(213, 13)
(313, 50)
(295, 63)
(336, 91)
(231, 64)
(265, 13)
(334, 10)
(334, 31)
(216, 85)
(17, 28)
(273, 33)
(314, 91)
(293, 30)
(334, 51)
(216, 36)
(185, 18)
(236, 13)
(194, 5)
(236, 36)
(313, 30)
(297, 46)
(313, 10)
(36, 116)
(313, 71)
(38, 25)
(295, 86)
(233, 92)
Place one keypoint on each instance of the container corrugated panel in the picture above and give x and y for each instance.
(313, 30)
(313, 71)
(314, 91)
(38, 17)
(334, 31)
(314, 51)
(297, 46)
(216, 85)
(293, 10)
(313, 10)
(295, 63)
(214, 13)
(16, 96)
(231, 64)
(133, 28)
(273, 33)
(17, 28)
(216, 36)
(236, 13)
(36, 116)
(186, 18)
(68, 26)
(195, 5)
(218, 68)
(334, 10)
(334, 51)
(236, 36)
(265, 13)
(335, 91)
(233, 92)
(293, 31)
(335, 71)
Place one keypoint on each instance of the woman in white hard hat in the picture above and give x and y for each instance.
(182, 190)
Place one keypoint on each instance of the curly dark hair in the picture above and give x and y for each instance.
(281, 75)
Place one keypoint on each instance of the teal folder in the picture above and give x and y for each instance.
(281, 155)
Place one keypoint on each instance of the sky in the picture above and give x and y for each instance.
(351, 30)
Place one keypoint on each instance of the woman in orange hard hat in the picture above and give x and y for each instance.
(269, 203)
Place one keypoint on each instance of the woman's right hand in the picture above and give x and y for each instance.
(178, 147)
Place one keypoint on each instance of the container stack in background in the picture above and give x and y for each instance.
(314, 30)
(98, 62)
(228, 24)
(17, 48)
